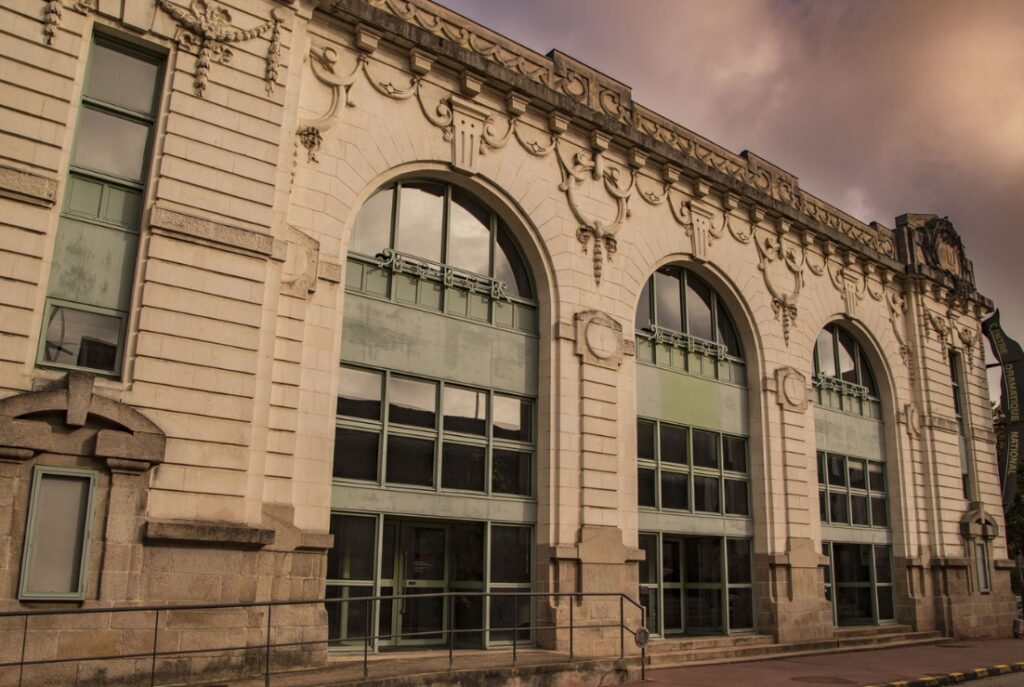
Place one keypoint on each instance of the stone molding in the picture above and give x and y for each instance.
(599, 339)
(27, 187)
(136, 446)
(189, 226)
(791, 389)
(198, 532)
(950, 562)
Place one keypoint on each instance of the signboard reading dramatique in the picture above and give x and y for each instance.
(1011, 358)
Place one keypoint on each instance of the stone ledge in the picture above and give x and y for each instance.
(184, 225)
(315, 541)
(1004, 563)
(950, 562)
(27, 187)
(197, 532)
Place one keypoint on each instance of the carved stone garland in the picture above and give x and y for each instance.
(206, 30)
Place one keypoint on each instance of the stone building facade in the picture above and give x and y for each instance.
(360, 298)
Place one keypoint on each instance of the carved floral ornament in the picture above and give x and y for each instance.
(785, 253)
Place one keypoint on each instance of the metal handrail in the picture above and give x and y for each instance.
(370, 605)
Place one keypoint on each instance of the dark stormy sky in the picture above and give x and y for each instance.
(880, 107)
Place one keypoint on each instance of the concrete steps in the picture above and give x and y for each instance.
(702, 651)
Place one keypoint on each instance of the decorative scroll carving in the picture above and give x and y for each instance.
(322, 63)
(897, 303)
(773, 249)
(206, 30)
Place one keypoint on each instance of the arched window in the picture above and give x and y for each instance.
(842, 376)
(693, 460)
(434, 245)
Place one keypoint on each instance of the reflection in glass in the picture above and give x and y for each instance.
(410, 461)
(352, 555)
(703, 559)
(645, 439)
(371, 233)
(645, 488)
(703, 610)
(734, 453)
(508, 611)
(420, 220)
(879, 513)
(876, 477)
(649, 563)
(86, 339)
(736, 502)
(359, 393)
(674, 490)
(705, 494)
(412, 402)
(858, 480)
(741, 608)
(673, 444)
(838, 508)
(512, 418)
(698, 308)
(58, 533)
(705, 449)
(826, 353)
(669, 308)
(511, 472)
(727, 332)
(110, 144)
(738, 560)
(465, 410)
(643, 308)
(836, 471)
(858, 509)
(847, 354)
(509, 266)
(469, 235)
(121, 79)
(462, 467)
(468, 543)
(510, 554)
(355, 454)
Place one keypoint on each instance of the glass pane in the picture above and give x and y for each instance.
(867, 378)
(511, 472)
(645, 439)
(879, 513)
(507, 612)
(645, 488)
(705, 449)
(825, 353)
(847, 354)
(673, 610)
(121, 79)
(93, 265)
(886, 610)
(853, 605)
(649, 563)
(705, 494)
(420, 216)
(649, 600)
(347, 615)
(838, 508)
(836, 471)
(385, 609)
(59, 514)
(703, 560)
(671, 565)
(352, 556)
(462, 467)
(858, 509)
(359, 393)
(467, 551)
(698, 308)
(410, 461)
(371, 232)
(423, 549)
(883, 570)
(876, 477)
(703, 610)
(734, 453)
(387, 556)
(741, 608)
(737, 553)
(852, 563)
(469, 235)
(821, 468)
(643, 307)
(510, 554)
(110, 144)
(858, 480)
(736, 502)
(468, 615)
(355, 454)
(465, 411)
(727, 333)
(513, 418)
(673, 444)
(509, 266)
(823, 506)
(422, 618)
(75, 337)
(675, 490)
(669, 308)
(412, 402)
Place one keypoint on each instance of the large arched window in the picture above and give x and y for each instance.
(693, 462)
(434, 245)
(853, 491)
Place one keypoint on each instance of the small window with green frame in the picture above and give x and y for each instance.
(93, 269)
(54, 564)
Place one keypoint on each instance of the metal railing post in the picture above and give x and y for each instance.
(24, 639)
(366, 642)
(266, 659)
(622, 627)
(515, 625)
(152, 663)
(451, 629)
(572, 655)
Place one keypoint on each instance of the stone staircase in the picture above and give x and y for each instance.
(703, 650)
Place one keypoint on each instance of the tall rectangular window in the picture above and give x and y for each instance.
(959, 408)
(57, 536)
(90, 287)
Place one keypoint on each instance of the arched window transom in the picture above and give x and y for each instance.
(842, 377)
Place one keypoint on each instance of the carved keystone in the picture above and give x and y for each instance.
(468, 121)
(599, 339)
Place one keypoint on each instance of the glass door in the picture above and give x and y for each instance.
(423, 570)
(672, 584)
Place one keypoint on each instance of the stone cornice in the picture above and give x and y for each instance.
(597, 102)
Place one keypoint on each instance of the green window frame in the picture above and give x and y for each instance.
(427, 264)
(34, 555)
(381, 427)
(92, 275)
(845, 483)
(668, 458)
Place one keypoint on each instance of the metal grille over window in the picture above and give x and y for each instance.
(434, 246)
(90, 287)
(400, 430)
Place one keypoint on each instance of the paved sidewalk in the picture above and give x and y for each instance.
(854, 668)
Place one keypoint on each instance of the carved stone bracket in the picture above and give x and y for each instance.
(206, 30)
(599, 339)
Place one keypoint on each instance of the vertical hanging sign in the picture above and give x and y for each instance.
(1011, 359)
